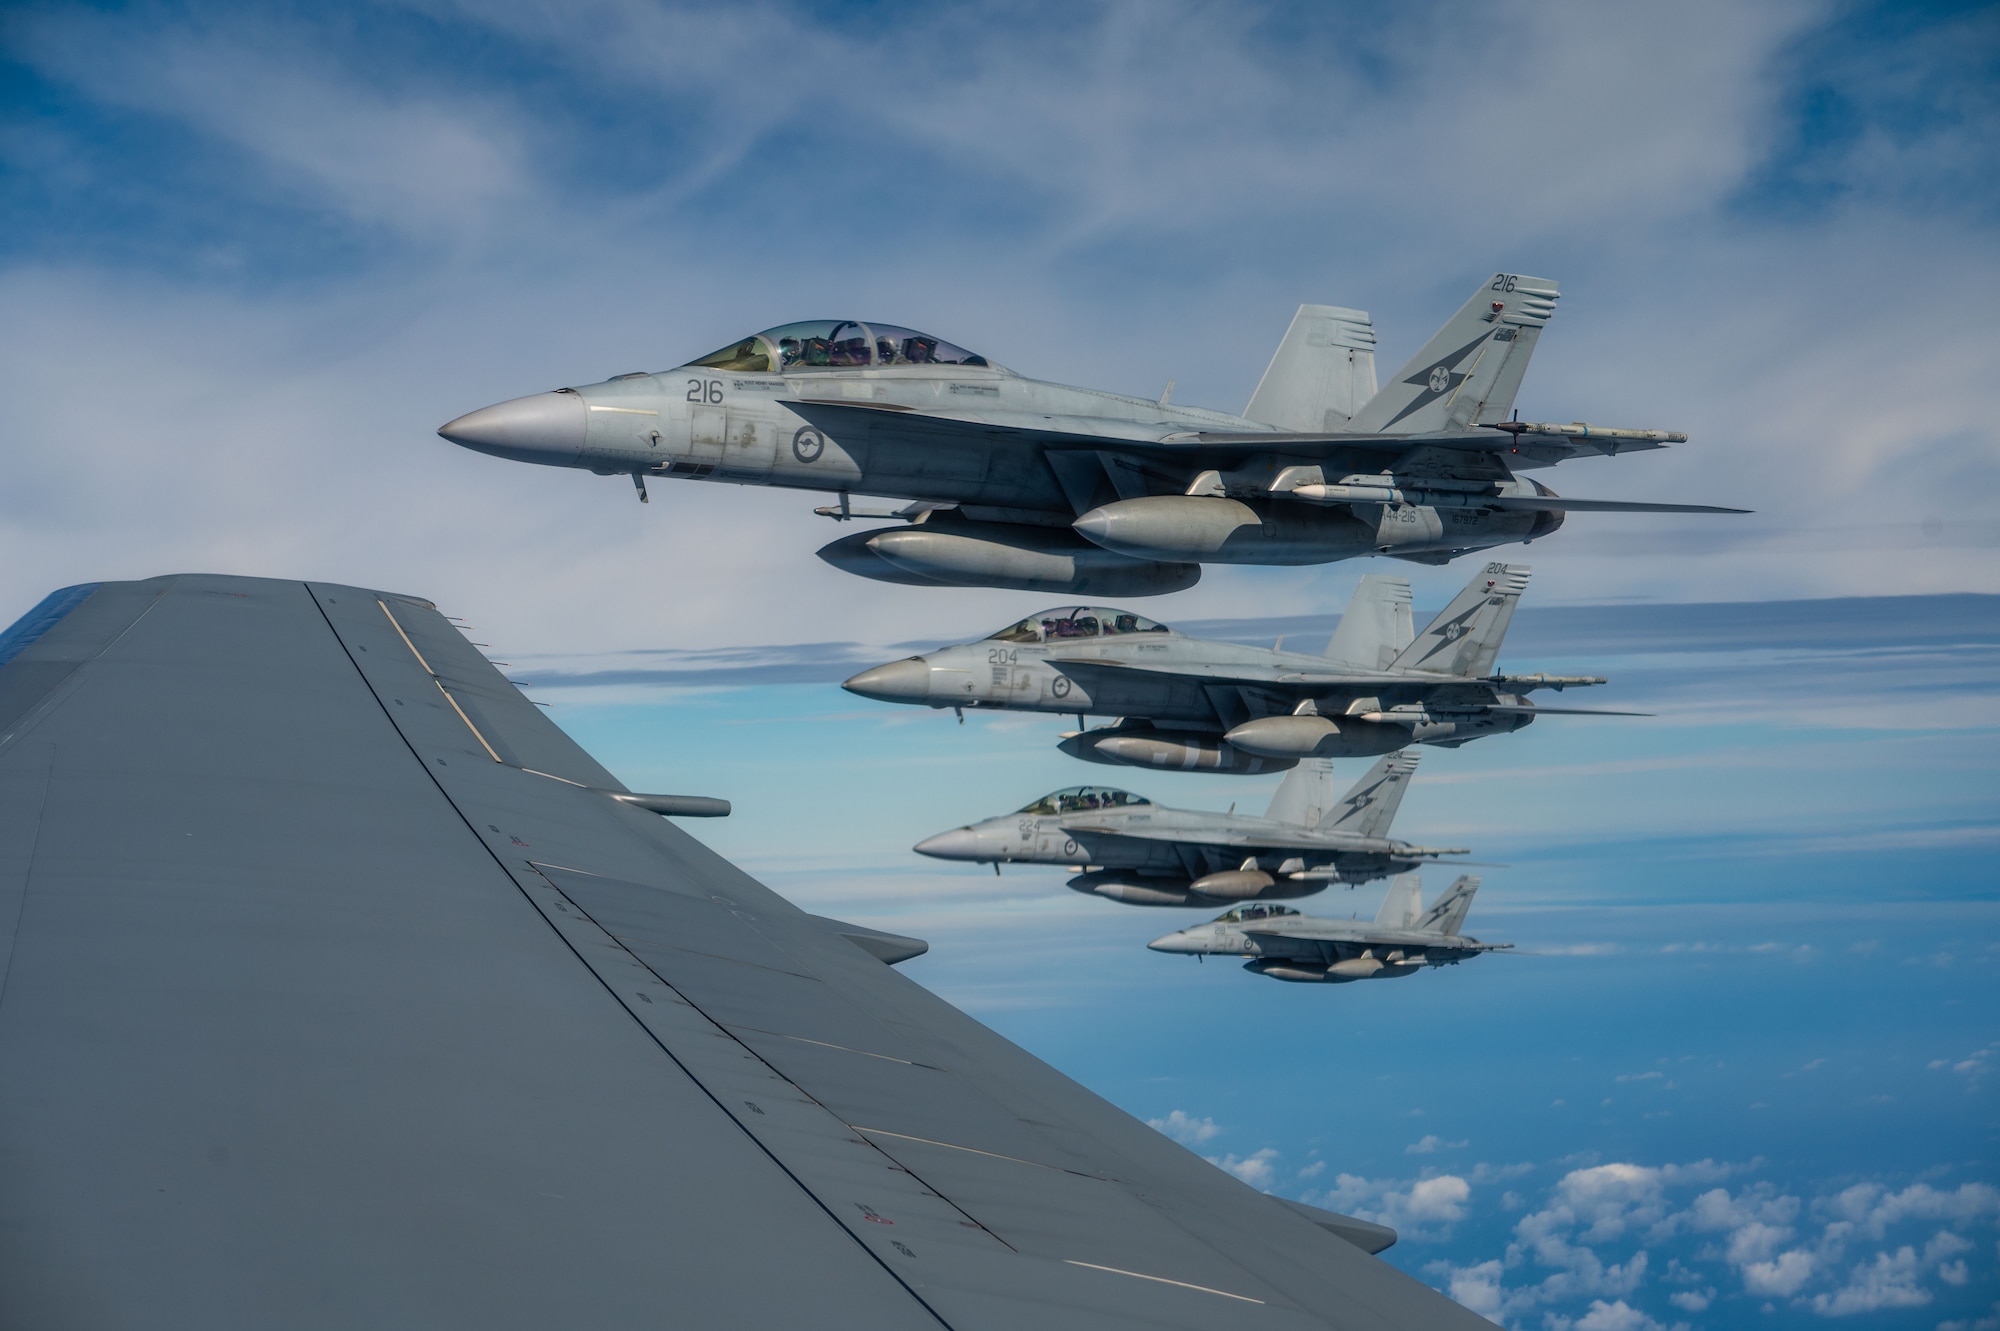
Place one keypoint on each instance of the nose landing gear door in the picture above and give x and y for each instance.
(707, 426)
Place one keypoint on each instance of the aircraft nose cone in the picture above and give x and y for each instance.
(961, 843)
(1174, 942)
(1096, 525)
(1126, 749)
(542, 427)
(899, 681)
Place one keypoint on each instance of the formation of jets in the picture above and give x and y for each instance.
(265, 838)
(999, 480)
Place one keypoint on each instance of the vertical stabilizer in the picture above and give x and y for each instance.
(1404, 905)
(1377, 625)
(1448, 915)
(1465, 637)
(1369, 808)
(1304, 795)
(1469, 373)
(1323, 371)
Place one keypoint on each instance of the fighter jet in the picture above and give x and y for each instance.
(1146, 854)
(1015, 482)
(1191, 704)
(1286, 945)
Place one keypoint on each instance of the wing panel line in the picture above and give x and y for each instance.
(583, 919)
(434, 679)
(616, 996)
(1141, 1275)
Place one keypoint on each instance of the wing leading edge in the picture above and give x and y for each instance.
(344, 987)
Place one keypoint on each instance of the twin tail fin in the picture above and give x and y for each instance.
(1447, 915)
(1470, 372)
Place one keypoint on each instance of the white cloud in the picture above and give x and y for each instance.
(1760, 1204)
(1185, 1128)
(1755, 1242)
(1430, 1143)
(1602, 1316)
(1420, 1209)
(1259, 1169)
(1874, 1209)
(1888, 1281)
(1945, 1244)
(1975, 1064)
(1756, 1231)
(1780, 1277)
(412, 159)
(1478, 1288)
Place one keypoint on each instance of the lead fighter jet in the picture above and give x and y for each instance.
(1221, 706)
(1285, 945)
(1016, 482)
(1146, 854)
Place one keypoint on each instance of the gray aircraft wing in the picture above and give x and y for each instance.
(1539, 444)
(1245, 673)
(339, 989)
(1242, 833)
(1338, 943)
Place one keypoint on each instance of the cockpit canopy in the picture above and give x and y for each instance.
(1081, 799)
(1257, 911)
(1080, 621)
(835, 344)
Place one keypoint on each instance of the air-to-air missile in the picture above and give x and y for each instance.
(1007, 481)
(1193, 704)
(1285, 945)
(1145, 854)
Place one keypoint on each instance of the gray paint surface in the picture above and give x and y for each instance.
(337, 991)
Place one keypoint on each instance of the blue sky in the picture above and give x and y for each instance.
(1746, 1062)
(251, 256)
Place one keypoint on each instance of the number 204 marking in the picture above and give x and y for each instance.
(705, 390)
